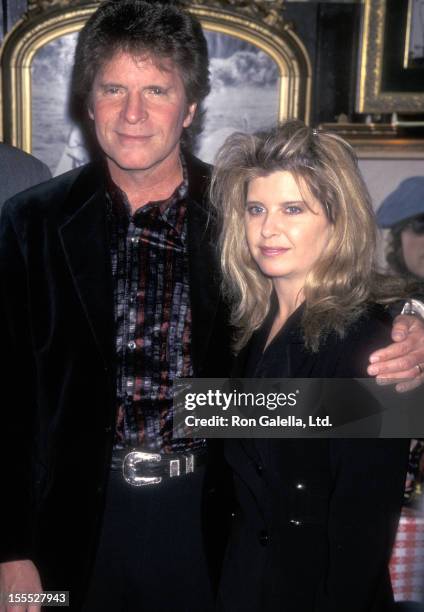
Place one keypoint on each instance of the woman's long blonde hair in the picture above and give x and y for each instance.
(344, 279)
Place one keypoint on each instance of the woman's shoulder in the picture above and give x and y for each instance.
(368, 333)
(375, 321)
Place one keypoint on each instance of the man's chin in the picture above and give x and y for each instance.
(130, 164)
(140, 163)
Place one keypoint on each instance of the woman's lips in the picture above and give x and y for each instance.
(272, 251)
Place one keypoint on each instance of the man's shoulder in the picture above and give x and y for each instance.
(199, 176)
(197, 165)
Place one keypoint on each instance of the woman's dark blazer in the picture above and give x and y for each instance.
(57, 337)
(316, 518)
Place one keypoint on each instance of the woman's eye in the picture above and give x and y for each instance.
(254, 210)
(293, 210)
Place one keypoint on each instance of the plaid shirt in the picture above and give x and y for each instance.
(153, 317)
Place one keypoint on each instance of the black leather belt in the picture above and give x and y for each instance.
(141, 468)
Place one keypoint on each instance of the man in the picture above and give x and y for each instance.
(112, 292)
(18, 171)
(121, 268)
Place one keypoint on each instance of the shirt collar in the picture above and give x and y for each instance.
(119, 207)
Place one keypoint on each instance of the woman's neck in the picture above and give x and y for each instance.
(290, 297)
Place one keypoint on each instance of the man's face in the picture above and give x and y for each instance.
(139, 109)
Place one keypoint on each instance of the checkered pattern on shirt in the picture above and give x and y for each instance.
(153, 317)
(407, 562)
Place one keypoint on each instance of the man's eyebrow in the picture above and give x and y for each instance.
(164, 86)
(110, 84)
(159, 86)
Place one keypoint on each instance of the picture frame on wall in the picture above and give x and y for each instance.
(414, 39)
(391, 61)
(264, 70)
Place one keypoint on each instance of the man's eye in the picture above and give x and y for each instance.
(112, 90)
(157, 91)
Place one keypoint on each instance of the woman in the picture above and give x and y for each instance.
(316, 518)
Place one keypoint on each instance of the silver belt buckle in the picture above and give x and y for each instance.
(133, 461)
(184, 465)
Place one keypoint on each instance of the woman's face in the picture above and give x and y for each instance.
(413, 246)
(285, 235)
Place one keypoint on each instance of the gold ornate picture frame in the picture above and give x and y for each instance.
(386, 84)
(413, 48)
(32, 113)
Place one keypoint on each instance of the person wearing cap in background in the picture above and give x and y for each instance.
(402, 212)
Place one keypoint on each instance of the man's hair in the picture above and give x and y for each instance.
(344, 279)
(139, 27)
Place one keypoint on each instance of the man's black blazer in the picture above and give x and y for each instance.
(58, 371)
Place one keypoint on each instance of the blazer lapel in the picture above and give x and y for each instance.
(296, 362)
(299, 362)
(84, 241)
(203, 264)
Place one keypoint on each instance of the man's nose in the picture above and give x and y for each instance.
(135, 108)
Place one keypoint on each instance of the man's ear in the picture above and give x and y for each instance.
(190, 114)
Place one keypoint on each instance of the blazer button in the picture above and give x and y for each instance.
(108, 429)
(295, 522)
(259, 468)
(263, 538)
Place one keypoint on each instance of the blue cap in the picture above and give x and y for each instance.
(403, 203)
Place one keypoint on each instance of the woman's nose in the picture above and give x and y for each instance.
(271, 225)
